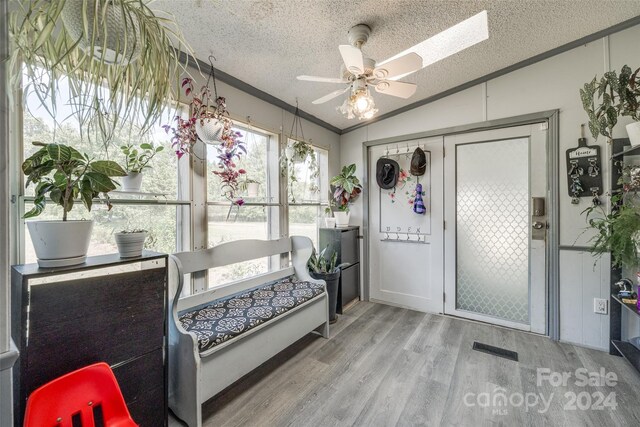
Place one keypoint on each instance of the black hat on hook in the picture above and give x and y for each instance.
(387, 171)
(418, 162)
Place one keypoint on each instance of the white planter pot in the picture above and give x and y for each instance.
(130, 244)
(633, 130)
(330, 222)
(252, 189)
(342, 218)
(209, 130)
(291, 155)
(60, 243)
(132, 182)
(121, 31)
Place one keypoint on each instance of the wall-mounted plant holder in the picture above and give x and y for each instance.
(584, 172)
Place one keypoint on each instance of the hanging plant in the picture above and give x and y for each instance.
(298, 151)
(115, 58)
(210, 122)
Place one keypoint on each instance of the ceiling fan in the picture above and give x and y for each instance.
(359, 72)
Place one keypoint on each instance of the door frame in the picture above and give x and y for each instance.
(553, 205)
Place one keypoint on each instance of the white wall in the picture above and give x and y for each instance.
(546, 85)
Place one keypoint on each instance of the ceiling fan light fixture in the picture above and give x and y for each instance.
(359, 104)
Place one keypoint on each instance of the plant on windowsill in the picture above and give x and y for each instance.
(131, 242)
(63, 174)
(136, 161)
(611, 97)
(324, 267)
(117, 59)
(345, 188)
(249, 186)
(618, 232)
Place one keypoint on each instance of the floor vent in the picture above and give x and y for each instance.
(496, 351)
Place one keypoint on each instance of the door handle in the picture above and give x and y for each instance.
(538, 225)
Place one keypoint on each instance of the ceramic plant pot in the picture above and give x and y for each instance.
(130, 244)
(132, 182)
(121, 46)
(633, 130)
(332, 280)
(342, 218)
(330, 222)
(209, 130)
(60, 243)
(252, 189)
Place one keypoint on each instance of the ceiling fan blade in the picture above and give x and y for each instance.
(321, 79)
(450, 41)
(399, 89)
(352, 57)
(409, 63)
(330, 96)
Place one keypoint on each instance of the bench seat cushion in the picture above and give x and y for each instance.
(224, 319)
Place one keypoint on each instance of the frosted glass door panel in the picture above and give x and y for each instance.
(492, 235)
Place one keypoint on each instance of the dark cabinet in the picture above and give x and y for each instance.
(620, 345)
(106, 310)
(345, 241)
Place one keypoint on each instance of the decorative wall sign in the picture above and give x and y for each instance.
(584, 172)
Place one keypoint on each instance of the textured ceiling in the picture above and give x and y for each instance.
(267, 43)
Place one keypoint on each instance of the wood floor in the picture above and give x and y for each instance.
(387, 366)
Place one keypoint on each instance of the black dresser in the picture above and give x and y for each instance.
(106, 310)
(345, 241)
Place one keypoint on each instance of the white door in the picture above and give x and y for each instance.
(494, 249)
(406, 248)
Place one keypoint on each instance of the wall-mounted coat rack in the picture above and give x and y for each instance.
(408, 236)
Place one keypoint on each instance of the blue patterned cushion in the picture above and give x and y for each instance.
(224, 319)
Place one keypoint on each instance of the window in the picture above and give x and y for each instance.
(258, 217)
(308, 184)
(181, 204)
(163, 196)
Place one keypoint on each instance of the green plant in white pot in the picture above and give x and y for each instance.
(613, 96)
(63, 174)
(131, 242)
(345, 189)
(136, 161)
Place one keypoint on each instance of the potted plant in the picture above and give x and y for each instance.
(131, 242)
(345, 189)
(610, 97)
(618, 232)
(298, 152)
(324, 268)
(329, 220)
(227, 142)
(103, 52)
(63, 174)
(136, 161)
(250, 186)
(630, 103)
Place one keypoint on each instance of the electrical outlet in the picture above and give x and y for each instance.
(600, 306)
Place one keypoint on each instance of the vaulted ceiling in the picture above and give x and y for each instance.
(267, 43)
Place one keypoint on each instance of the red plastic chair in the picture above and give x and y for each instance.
(77, 395)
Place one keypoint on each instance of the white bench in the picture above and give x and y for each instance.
(196, 372)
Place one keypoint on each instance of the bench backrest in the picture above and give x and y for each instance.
(230, 253)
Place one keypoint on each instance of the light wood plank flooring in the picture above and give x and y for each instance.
(387, 366)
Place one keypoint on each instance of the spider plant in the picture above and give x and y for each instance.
(114, 57)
